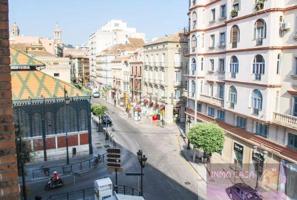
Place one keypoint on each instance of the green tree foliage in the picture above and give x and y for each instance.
(98, 110)
(207, 136)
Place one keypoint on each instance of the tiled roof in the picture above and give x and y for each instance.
(19, 58)
(38, 85)
(132, 45)
(177, 37)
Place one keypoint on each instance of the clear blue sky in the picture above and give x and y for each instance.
(79, 18)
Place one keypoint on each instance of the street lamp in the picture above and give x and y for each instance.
(67, 102)
(142, 161)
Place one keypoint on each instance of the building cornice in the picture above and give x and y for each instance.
(203, 5)
(253, 84)
(245, 50)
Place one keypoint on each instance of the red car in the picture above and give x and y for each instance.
(241, 191)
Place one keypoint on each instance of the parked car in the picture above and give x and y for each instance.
(96, 95)
(106, 120)
(241, 191)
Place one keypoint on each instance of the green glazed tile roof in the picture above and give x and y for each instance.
(20, 58)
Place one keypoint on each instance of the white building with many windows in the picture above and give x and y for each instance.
(243, 76)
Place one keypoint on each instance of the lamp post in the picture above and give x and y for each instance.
(67, 102)
(189, 123)
(142, 161)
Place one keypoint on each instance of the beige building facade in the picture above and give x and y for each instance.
(162, 83)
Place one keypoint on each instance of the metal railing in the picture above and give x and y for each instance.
(83, 194)
(127, 190)
(76, 167)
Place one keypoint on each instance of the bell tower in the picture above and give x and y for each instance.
(57, 35)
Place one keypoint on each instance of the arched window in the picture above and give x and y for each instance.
(49, 123)
(257, 101)
(234, 66)
(260, 31)
(66, 119)
(232, 96)
(194, 20)
(194, 43)
(278, 63)
(193, 66)
(193, 88)
(235, 36)
(36, 124)
(258, 67)
(24, 122)
(83, 119)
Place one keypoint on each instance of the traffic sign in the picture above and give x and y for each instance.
(112, 160)
(113, 155)
(114, 151)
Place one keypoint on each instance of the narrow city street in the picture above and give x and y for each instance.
(167, 174)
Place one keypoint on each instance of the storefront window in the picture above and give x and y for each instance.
(238, 150)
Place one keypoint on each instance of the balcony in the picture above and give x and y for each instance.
(212, 100)
(285, 120)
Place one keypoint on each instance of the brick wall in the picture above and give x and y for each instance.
(9, 189)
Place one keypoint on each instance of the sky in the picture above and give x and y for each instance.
(79, 18)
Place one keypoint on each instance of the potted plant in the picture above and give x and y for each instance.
(259, 5)
(234, 13)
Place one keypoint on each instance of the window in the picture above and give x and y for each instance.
(223, 11)
(278, 64)
(211, 112)
(232, 96)
(221, 115)
(202, 60)
(177, 59)
(236, 5)
(257, 101)
(260, 31)
(211, 65)
(241, 122)
(261, 129)
(295, 70)
(194, 20)
(258, 67)
(193, 89)
(235, 36)
(292, 141)
(194, 43)
(222, 40)
(193, 67)
(221, 91)
(234, 65)
(295, 106)
(56, 74)
(177, 94)
(213, 15)
(199, 107)
(178, 77)
(212, 41)
(221, 65)
(211, 90)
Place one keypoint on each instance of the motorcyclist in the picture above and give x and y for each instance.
(55, 177)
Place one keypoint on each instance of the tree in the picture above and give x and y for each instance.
(207, 136)
(98, 110)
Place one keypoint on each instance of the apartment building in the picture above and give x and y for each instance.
(242, 75)
(162, 85)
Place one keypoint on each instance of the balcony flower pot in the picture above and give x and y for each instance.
(259, 5)
(234, 13)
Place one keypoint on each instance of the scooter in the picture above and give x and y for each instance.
(53, 184)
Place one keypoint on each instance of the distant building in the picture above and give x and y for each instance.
(40, 109)
(14, 31)
(162, 82)
(113, 33)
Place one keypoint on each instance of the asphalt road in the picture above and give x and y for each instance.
(167, 174)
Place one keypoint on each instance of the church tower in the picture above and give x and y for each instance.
(15, 31)
(57, 35)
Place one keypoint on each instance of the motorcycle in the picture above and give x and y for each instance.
(51, 184)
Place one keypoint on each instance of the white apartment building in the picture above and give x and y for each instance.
(242, 75)
(162, 88)
(113, 33)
